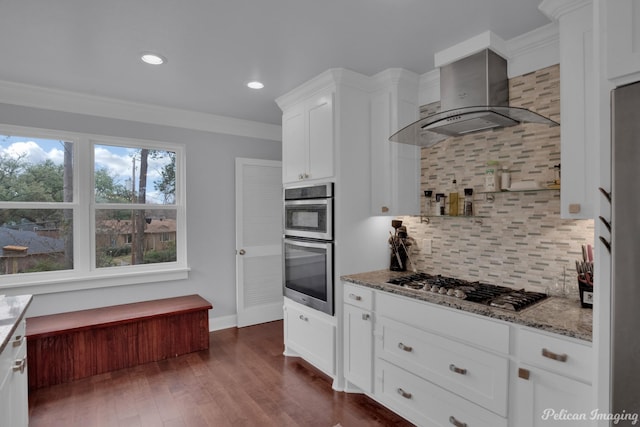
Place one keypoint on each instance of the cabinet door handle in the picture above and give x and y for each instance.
(454, 368)
(404, 394)
(605, 222)
(405, 347)
(19, 365)
(18, 340)
(355, 297)
(300, 176)
(606, 243)
(304, 318)
(366, 316)
(456, 423)
(524, 373)
(605, 193)
(555, 356)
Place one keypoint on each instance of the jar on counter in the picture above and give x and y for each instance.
(505, 178)
(492, 176)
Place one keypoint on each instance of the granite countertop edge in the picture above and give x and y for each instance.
(15, 308)
(563, 316)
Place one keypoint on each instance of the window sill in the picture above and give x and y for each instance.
(49, 285)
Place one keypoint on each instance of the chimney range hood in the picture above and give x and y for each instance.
(474, 96)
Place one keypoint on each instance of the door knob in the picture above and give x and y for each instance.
(242, 252)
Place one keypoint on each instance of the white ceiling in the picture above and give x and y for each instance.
(214, 47)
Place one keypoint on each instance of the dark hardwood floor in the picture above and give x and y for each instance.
(242, 380)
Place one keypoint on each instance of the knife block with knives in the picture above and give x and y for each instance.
(585, 276)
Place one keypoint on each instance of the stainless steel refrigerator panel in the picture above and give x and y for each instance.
(625, 299)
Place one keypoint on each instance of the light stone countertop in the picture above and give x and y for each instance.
(12, 309)
(564, 316)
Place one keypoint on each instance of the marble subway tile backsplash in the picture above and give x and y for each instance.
(518, 239)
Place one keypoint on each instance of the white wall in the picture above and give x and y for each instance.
(210, 211)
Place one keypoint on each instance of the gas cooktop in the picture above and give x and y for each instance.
(481, 293)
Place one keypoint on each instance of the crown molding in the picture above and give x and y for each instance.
(534, 50)
(73, 102)
(555, 9)
(328, 78)
(393, 76)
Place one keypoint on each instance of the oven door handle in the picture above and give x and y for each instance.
(318, 244)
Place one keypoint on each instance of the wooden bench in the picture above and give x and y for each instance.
(69, 346)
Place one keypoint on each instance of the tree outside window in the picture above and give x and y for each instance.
(135, 199)
(133, 216)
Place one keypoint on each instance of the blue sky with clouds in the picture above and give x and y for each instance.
(117, 160)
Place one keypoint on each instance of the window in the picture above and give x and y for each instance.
(82, 208)
(134, 192)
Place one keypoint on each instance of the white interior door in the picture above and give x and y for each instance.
(258, 241)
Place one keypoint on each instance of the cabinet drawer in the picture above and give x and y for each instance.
(555, 354)
(358, 296)
(471, 373)
(311, 336)
(472, 329)
(426, 404)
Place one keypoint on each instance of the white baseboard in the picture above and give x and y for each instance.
(224, 322)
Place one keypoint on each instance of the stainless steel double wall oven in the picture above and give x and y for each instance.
(308, 245)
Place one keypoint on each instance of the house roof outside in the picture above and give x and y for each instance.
(35, 243)
(156, 225)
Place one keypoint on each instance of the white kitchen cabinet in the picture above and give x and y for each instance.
(358, 337)
(578, 191)
(547, 399)
(395, 168)
(623, 40)
(474, 374)
(329, 116)
(458, 362)
(552, 382)
(14, 404)
(426, 404)
(310, 334)
(308, 138)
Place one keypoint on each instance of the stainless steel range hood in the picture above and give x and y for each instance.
(474, 96)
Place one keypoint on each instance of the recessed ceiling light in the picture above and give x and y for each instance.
(153, 58)
(255, 85)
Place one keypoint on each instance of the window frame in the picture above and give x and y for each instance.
(85, 274)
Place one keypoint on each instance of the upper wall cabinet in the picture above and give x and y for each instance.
(623, 40)
(308, 138)
(577, 107)
(395, 168)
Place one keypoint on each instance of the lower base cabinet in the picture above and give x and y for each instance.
(433, 365)
(14, 403)
(358, 337)
(358, 349)
(547, 399)
(310, 334)
(426, 404)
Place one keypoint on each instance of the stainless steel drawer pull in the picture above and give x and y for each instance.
(456, 423)
(405, 347)
(366, 316)
(18, 340)
(355, 297)
(404, 394)
(554, 356)
(454, 368)
(19, 365)
(304, 318)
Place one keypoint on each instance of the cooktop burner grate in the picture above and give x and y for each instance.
(481, 293)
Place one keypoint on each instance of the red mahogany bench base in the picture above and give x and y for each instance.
(69, 346)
